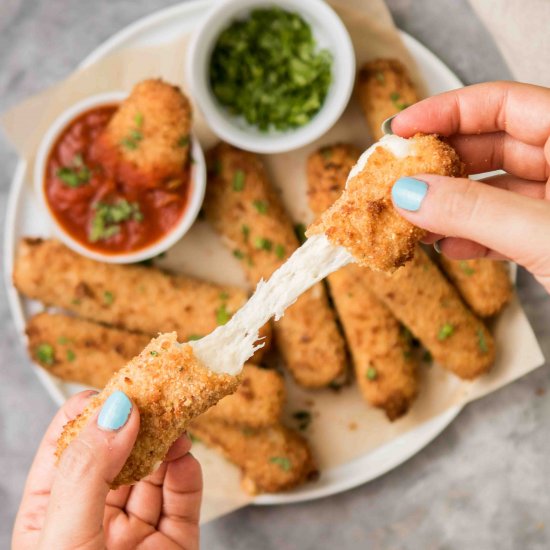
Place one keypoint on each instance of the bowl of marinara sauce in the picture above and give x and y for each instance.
(94, 211)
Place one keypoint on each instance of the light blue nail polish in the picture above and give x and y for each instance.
(408, 193)
(115, 411)
(386, 126)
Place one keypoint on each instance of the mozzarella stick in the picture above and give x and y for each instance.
(483, 284)
(148, 136)
(136, 298)
(245, 209)
(383, 89)
(170, 387)
(363, 220)
(257, 403)
(80, 351)
(271, 460)
(384, 366)
(421, 297)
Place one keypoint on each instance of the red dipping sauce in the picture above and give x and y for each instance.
(96, 208)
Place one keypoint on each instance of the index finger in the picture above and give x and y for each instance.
(521, 110)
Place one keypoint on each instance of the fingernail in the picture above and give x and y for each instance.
(386, 126)
(115, 411)
(437, 248)
(408, 193)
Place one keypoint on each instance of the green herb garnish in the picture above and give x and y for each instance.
(154, 353)
(238, 254)
(261, 243)
(481, 342)
(222, 315)
(45, 354)
(131, 141)
(246, 232)
(63, 340)
(281, 461)
(466, 268)
(238, 180)
(138, 120)
(194, 438)
(71, 356)
(108, 217)
(372, 373)
(445, 331)
(260, 206)
(108, 297)
(224, 295)
(268, 69)
(300, 230)
(396, 100)
(75, 175)
(279, 251)
(183, 141)
(193, 337)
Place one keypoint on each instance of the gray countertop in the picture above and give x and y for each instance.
(482, 484)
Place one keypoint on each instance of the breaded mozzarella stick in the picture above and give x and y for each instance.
(384, 365)
(243, 207)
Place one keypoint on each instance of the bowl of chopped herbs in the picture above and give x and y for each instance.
(271, 76)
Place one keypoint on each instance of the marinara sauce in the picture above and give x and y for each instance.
(96, 208)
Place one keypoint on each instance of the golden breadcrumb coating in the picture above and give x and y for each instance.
(170, 388)
(271, 459)
(420, 296)
(149, 135)
(383, 89)
(81, 351)
(483, 284)
(137, 298)
(244, 208)
(364, 220)
(384, 365)
(257, 403)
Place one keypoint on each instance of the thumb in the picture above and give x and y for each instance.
(86, 468)
(514, 225)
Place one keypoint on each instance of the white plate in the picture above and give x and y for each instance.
(164, 26)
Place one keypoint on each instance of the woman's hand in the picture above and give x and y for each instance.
(70, 506)
(500, 125)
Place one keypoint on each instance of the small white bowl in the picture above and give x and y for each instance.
(194, 203)
(329, 33)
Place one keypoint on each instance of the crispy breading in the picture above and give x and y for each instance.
(137, 298)
(257, 403)
(244, 208)
(483, 284)
(364, 220)
(271, 459)
(170, 388)
(384, 365)
(383, 89)
(420, 296)
(149, 136)
(83, 352)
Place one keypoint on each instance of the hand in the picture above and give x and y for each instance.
(500, 125)
(70, 506)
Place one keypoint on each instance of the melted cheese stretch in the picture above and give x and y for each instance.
(229, 346)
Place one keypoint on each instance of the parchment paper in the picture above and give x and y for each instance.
(343, 426)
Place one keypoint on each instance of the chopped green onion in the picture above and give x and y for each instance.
(466, 268)
(279, 251)
(70, 355)
(238, 180)
(75, 175)
(282, 461)
(246, 232)
(183, 141)
(261, 206)
(238, 254)
(481, 342)
(396, 100)
(445, 331)
(193, 337)
(138, 119)
(154, 353)
(45, 354)
(108, 297)
(224, 295)
(260, 243)
(108, 217)
(372, 373)
(222, 315)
